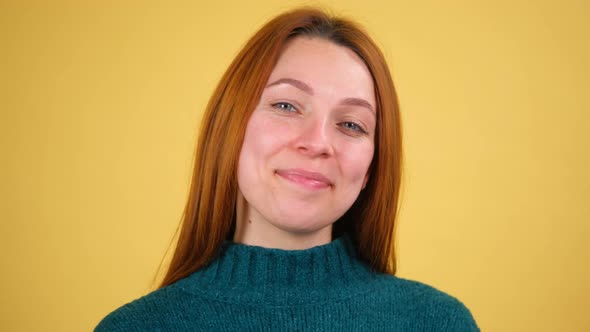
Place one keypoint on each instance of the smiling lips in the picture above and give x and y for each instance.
(307, 179)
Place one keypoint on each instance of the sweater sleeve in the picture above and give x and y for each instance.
(428, 308)
(120, 320)
(462, 320)
(142, 314)
(452, 315)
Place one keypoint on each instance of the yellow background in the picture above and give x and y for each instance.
(100, 103)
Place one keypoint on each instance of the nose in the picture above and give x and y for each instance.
(313, 138)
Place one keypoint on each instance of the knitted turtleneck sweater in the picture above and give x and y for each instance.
(325, 288)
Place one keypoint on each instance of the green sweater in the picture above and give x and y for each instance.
(325, 288)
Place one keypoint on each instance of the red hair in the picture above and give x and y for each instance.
(209, 215)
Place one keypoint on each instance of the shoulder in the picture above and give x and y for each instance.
(427, 306)
(148, 313)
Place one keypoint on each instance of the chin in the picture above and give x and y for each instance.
(299, 224)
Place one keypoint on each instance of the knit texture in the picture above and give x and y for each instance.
(325, 288)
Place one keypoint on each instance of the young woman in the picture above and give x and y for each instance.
(290, 220)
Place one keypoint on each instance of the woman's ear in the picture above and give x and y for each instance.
(240, 216)
(365, 181)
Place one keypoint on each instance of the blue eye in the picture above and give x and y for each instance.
(283, 106)
(353, 126)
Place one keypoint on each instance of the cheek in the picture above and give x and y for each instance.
(273, 131)
(264, 137)
(356, 161)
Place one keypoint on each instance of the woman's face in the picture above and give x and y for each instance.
(309, 142)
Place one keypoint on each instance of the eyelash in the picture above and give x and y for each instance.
(346, 124)
(357, 127)
(282, 103)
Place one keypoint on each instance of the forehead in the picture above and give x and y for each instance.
(327, 67)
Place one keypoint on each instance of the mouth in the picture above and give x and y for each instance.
(304, 178)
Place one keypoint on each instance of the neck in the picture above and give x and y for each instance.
(253, 229)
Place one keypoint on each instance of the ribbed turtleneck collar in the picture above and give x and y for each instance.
(243, 273)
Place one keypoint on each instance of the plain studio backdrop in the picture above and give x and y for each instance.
(101, 101)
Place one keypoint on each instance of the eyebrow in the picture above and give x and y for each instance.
(358, 102)
(307, 89)
(296, 83)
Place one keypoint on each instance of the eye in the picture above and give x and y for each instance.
(355, 127)
(285, 107)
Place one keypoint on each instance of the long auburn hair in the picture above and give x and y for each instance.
(209, 215)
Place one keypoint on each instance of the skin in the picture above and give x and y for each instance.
(307, 147)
